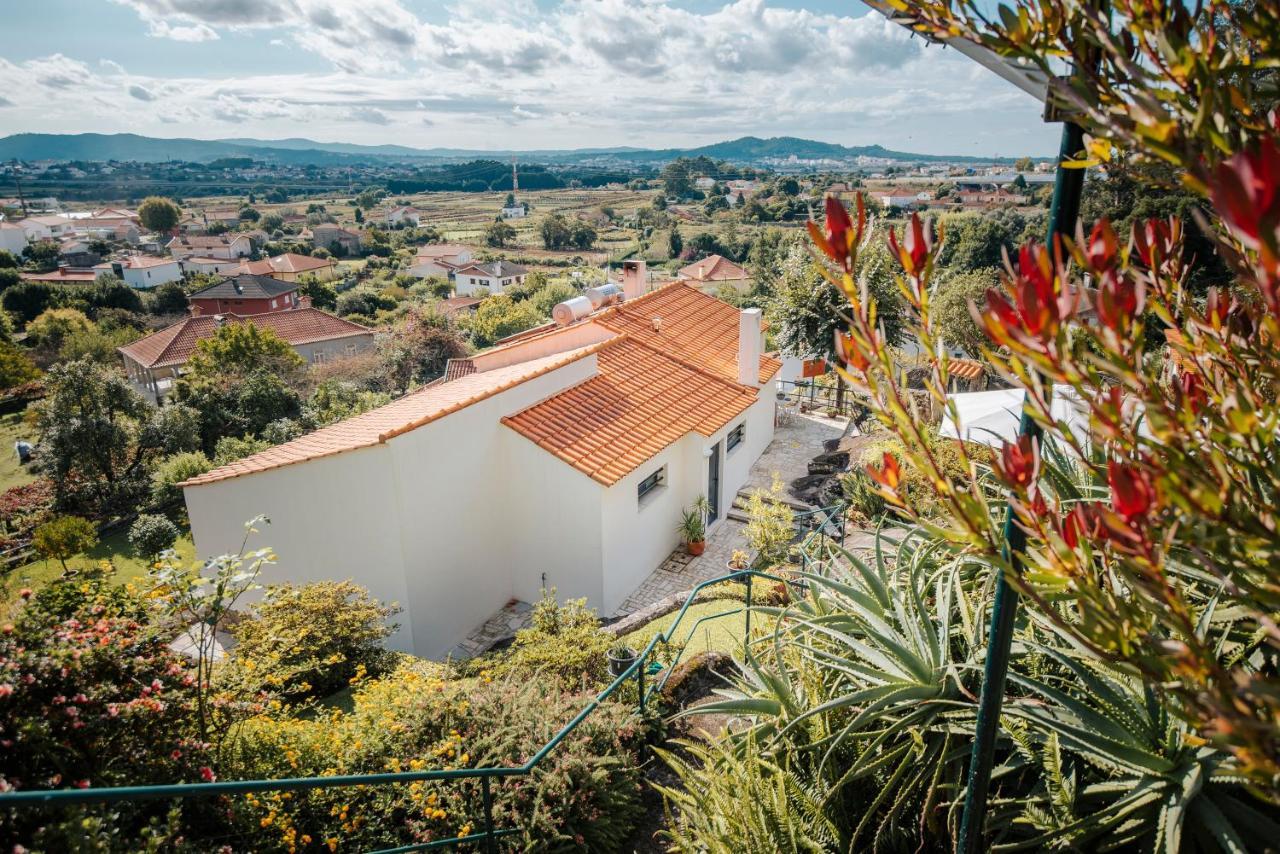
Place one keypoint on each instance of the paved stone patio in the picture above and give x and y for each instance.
(788, 455)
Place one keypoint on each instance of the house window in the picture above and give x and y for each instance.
(735, 437)
(651, 484)
(351, 349)
(273, 303)
(318, 357)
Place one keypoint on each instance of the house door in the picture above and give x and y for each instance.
(713, 483)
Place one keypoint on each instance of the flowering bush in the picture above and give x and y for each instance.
(90, 695)
(23, 509)
(584, 796)
(562, 642)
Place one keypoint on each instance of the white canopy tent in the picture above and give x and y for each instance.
(991, 417)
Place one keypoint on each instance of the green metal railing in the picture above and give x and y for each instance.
(488, 833)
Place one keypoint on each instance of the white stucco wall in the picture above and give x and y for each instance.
(145, 278)
(332, 518)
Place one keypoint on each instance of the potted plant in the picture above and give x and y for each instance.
(738, 561)
(621, 657)
(693, 528)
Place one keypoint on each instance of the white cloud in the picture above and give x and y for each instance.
(579, 72)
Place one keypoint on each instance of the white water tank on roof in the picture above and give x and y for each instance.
(571, 310)
(608, 294)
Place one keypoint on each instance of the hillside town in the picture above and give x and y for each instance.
(609, 472)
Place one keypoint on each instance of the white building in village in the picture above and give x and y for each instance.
(561, 459)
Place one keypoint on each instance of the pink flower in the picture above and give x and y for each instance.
(5, 690)
(206, 774)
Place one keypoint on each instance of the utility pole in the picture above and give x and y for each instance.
(22, 200)
(515, 178)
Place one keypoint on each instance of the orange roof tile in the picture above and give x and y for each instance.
(173, 345)
(396, 418)
(641, 401)
(966, 369)
(289, 262)
(694, 327)
(713, 268)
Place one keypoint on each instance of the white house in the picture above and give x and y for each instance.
(142, 271)
(216, 266)
(47, 227)
(496, 275)
(404, 215)
(439, 259)
(561, 460)
(13, 237)
(516, 211)
(225, 246)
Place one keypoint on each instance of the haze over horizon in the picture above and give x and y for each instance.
(519, 75)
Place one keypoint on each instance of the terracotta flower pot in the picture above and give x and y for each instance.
(696, 548)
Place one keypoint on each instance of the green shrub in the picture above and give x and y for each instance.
(862, 495)
(311, 640)
(917, 487)
(64, 537)
(584, 796)
(173, 470)
(562, 642)
(230, 448)
(770, 525)
(151, 534)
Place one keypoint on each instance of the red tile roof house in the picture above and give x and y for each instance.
(290, 266)
(153, 362)
(210, 246)
(715, 271)
(562, 459)
(245, 293)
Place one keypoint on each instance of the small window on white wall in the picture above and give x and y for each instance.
(651, 484)
(735, 437)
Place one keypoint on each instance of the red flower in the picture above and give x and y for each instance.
(1038, 308)
(919, 241)
(848, 352)
(1246, 194)
(1103, 246)
(1155, 240)
(1019, 464)
(1119, 300)
(206, 774)
(1191, 391)
(839, 237)
(1132, 493)
(1073, 525)
(889, 475)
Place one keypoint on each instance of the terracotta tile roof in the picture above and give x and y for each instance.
(965, 369)
(245, 286)
(494, 269)
(174, 344)
(400, 416)
(694, 327)
(641, 401)
(713, 268)
(204, 241)
(458, 368)
(141, 262)
(289, 262)
(60, 276)
(441, 250)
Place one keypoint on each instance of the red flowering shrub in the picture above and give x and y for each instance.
(89, 695)
(23, 509)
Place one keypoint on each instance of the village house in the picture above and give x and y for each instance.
(226, 246)
(903, 199)
(715, 271)
(403, 216)
(580, 444)
(13, 238)
(335, 237)
(245, 293)
(142, 271)
(214, 266)
(290, 266)
(51, 227)
(154, 362)
(495, 276)
(439, 259)
(64, 275)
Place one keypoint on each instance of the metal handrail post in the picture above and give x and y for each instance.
(487, 798)
(1065, 209)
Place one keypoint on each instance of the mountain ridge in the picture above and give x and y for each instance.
(299, 150)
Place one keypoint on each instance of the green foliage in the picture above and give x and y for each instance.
(951, 308)
(99, 438)
(81, 684)
(159, 214)
(27, 300)
(499, 316)
(308, 641)
(150, 534)
(231, 448)
(172, 471)
(770, 524)
(7, 261)
(64, 537)
(169, 298)
(862, 495)
(563, 643)
(323, 294)
(334, 401)
(498, 233)
(546, 297)
(917, 485)
(418, 348)
(366, 302)
(42, 255)
(238, 349)
(16, 366)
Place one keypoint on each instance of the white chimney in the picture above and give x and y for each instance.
(749, 346)
(635, 279)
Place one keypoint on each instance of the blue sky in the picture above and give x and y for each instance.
(513, 74)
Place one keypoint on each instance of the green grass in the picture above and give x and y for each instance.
(11, 473)
(114, 548)
(723, 634)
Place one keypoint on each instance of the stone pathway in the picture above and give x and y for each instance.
(788, 456)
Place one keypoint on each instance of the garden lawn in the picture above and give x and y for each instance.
(11, 430)
(115, 548)
(723, 634)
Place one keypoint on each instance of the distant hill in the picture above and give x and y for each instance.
(128, 146)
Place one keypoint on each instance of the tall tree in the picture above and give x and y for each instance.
(159, 214)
